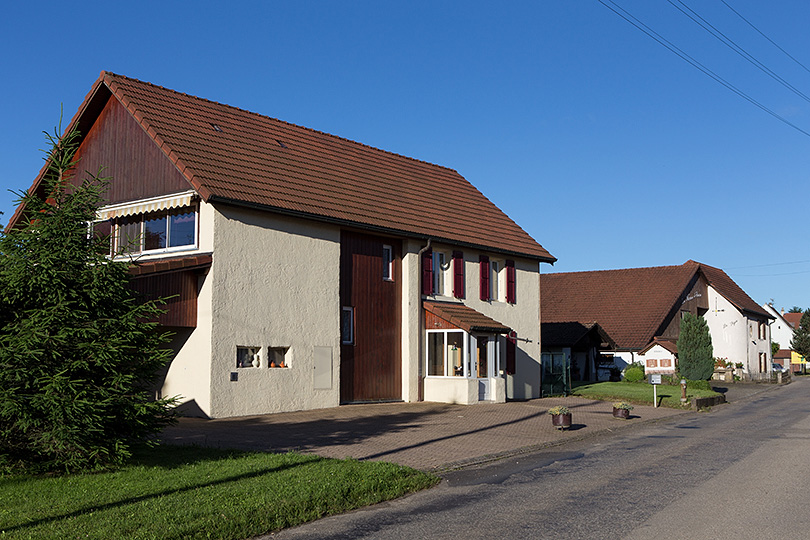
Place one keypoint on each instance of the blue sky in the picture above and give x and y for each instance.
(607, 148)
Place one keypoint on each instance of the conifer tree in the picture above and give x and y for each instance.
(801, 336)
(695, 353)
(78, 356)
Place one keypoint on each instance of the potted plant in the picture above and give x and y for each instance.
(622, 409)
(560, 417)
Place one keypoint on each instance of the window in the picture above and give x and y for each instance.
(277, 356)
(458, 274)
(247, 357)
(155, 231)
(388, 263)
(763, 332)
(441, 269)
(446, 354)
(347, 326)
(495, 281)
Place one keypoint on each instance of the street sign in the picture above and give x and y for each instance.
(655, 380)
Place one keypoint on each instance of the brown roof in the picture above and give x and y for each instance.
(667, 344)
(235, 156)
(794, 319)
(631, 304)
(465, 317)
(571, 333)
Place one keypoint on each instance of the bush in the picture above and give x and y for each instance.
(634, 372)
(699, 385)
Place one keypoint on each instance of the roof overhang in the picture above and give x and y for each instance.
(465, 317)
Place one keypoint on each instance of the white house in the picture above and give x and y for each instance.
(306, 270)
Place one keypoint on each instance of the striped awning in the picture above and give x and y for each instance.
(144, 206)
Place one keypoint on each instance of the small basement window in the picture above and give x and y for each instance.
(248, 357)
(277, 356)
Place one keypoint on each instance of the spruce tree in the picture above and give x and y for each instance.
(78, 355)
(695, 353)
(801, 336)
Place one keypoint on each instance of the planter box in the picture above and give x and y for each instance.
(561, 421)
(621, 413)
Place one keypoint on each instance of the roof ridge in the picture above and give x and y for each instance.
(613, 270)
(266, 117)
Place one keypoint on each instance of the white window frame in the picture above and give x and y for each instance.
(350, 311)
(497, 279)
(252, 351)
(465, 354)
(442, 276)
(388, 263)
(117, 248)
(285, 362)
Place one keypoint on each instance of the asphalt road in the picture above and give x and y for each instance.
(737, 472)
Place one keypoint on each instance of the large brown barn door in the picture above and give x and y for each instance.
(370, 296)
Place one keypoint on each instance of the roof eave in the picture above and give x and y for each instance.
(214, 199)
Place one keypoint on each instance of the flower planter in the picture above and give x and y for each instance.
(561, 421)
(621, 413)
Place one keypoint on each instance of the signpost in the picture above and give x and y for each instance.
(655, 380)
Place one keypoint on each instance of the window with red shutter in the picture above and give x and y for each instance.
(511, 289)
(484, 283)
(458, 274)
(427, 273)
(511, 348)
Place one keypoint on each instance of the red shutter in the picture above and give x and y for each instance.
(427, 273)
(484, 271)
(511, 346)
(510, 282)
(458, 274)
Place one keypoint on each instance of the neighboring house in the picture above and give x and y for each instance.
(641, 310)
(308, 270)
(798, 363)
(572, 352)
(660, 356)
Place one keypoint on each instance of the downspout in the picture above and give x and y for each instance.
(421, 329)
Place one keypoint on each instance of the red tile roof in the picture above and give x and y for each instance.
(631, 304)
(794, 319)
(235, 156)
(465, 317)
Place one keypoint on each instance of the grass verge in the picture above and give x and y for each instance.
(191, 492)
(640, 393)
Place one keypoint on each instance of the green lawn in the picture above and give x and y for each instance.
(189, 492)
(639, 393)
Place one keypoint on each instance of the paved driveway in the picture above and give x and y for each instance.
(428, 436)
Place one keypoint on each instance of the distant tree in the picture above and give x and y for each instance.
(695, 353)
(801, 336)
(774, 348)
(795, 309)
(77, 359)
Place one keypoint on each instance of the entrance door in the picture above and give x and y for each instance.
(484, 365)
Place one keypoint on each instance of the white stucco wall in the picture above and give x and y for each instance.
(189, 376)
(781, 331)
(276, 284)
(658, 354)
(523, 317)
(734, 336)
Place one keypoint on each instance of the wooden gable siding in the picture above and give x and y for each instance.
(138, 168)
(180, 290)
(695, 300)
(434, 322)
(371, 367)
